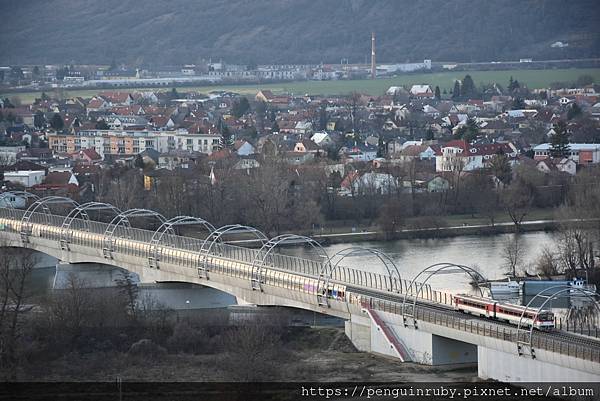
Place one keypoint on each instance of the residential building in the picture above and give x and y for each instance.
(580, 153)
(26, 178)
(178, 159)
(422, 91)
(108, 142)
(459, 155)
(563, 165)
(438, 184)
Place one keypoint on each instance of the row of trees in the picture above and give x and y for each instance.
(466, 89)
(273, 197)
(575, 246)
(277, 197)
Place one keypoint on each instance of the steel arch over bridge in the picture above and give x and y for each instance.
(395, 283)
(66, 232)
(42, 203)
(327, 271)
(261, 276)
(416, 288)
(216, 237)
(122, 221)
(556, 292)
(168, 228)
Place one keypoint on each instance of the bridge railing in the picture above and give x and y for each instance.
(545, 342)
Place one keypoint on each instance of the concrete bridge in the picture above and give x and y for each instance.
(384, 313)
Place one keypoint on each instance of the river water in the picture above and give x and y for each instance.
(411, 256)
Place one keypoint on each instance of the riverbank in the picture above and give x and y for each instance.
(303, 354)
(453, 231)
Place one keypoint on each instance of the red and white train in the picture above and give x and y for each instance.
(541, 320)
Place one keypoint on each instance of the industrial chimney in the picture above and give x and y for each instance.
(373, 66)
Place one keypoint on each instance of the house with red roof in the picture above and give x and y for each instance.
(86, 156)
(58, 183)
(422, 91)
(264, 96)
(96, 105)
(133, 110)
(117, 98)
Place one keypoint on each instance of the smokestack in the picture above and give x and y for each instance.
(373, 66)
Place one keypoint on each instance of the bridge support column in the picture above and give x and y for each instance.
(359, 332)
(241, 301)
(90, 275)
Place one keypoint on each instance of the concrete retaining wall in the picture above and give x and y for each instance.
(507, 367)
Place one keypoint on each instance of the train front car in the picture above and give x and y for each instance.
(544, 321)
(526, 317)
(513, 314)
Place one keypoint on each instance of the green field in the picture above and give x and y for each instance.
(445, 80)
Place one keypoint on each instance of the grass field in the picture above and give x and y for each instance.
(445, 80)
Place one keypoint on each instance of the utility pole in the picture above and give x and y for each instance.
(373, 65)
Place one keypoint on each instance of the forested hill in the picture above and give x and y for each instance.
(294, 31)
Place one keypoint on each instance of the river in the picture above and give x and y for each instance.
(483, 253)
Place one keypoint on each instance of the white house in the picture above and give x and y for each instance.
(458, 155)
(245, 149)
(321, 138)
(13, 201)
(563, 165)
(375, 183)
(564, 101)
(246, 163)
(421, 91)
(25, 178)
(303, 127)
(431, 111)
(392, 90)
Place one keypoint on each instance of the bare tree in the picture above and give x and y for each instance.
(172, 195)
(546, 263)
(455, 164)
(69, 309)
(253, 350)
(391, 218)
(517, 201)
(16, 265)
(122, 187)
(6, 159)
(486, 204)
(513, 254)
(130, 291)
(354, 103)
(576, 244)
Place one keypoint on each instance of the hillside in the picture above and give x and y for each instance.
(294, 31)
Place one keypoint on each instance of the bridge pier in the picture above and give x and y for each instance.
(242, 302)
(359, 333)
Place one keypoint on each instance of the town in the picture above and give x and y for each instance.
(412, 154)
(234, 200)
